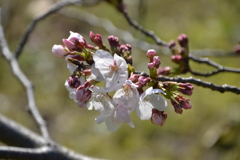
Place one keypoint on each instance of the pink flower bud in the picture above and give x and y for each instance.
(177, 58)
(76, 38)
(74, 82)
(129, 47)
(59, 50)
(158, 117)
(70, 45)
(185, 88)
(134, 77)
(172, 44)
(151, 53)
(96, 39)
(181, 102)
(151, 65)
(156, 61)
(183, 40)
(164, 71)
(83, 94)
(123, 48)
(143, 80)
(177, 107)
(113, 41)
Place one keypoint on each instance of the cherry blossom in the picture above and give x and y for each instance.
(115, 111)
(149, 100)
(113, 70)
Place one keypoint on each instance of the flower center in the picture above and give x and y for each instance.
(113, 68)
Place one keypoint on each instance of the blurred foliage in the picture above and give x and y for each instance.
(210, 130)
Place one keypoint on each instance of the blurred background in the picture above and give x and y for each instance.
(210, 130)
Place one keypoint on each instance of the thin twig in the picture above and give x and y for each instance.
(57, 6)
(213, 53)
(199, 60)
(140, 28)
(207, 61)
(198, 82)
(24, 81)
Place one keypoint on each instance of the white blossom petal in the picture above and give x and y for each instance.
(72, 67)
(95, 74)
(103, 116)
(149, 100)
(111, 125)
(144, 110)
(72, 91)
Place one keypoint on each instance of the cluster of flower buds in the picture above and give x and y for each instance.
(172, 90)
(154, 63)
(130, 92)
(180, 55)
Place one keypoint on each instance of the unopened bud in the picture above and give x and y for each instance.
(74, 82)
(151, 65)
(158, 117)
(185, 88)
(123, 48)
(177, 107)
(113, 41)
(134, 77)
(59, 50)
(164, 71)
(177, 58)
(129, 47)
(183, 40)
(172, 44)
(156, 61)
(181, 102)
(150, 53)
(96, 39)
(70, 45)
(143, 80)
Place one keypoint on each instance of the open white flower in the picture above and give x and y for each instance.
(117, 110)
(113, 70)
(149, 100)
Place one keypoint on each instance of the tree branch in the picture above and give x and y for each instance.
(213, 64)
(57, 6)
(34, 146)
(24, 81)
(198, 82)
(140, 28)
